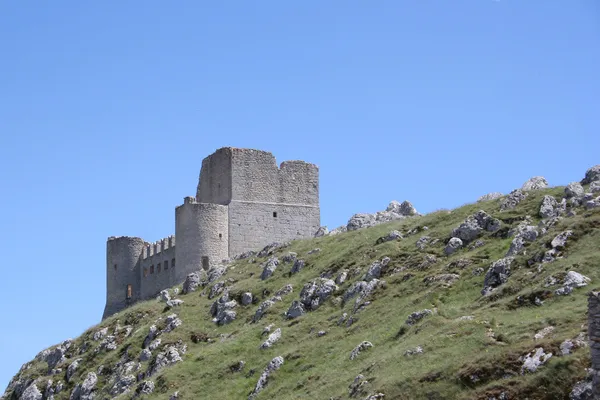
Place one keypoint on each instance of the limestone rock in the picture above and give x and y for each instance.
(269, 267)
(412, 352)
(543, 333)
(164, 359)
(591, 175)
(416, 316)
(595, 203)
(551, 208)
(246, 298)
(595, 187)
(289, 257)
(222, 310)
(574, 189)
(338, 230)
(512, 200)
(272, 339)
(145, 355)
(313, 251)
(72, 369)
(360, 348)
(405, 208)
(297, 267)
(271, 248)
(474, 225)
(393, 235)
(285, 290)
(497, 274)
(296, 310)
(146, 387)
(273, 366)
(216, 290)
(100, 334)
(262, 309)
(315, 292)
(490, 196)
(192, 281)
(361, 220)
(174, 303)
(31, 393)
(453, 245)
(322, 231)
(173, 321)
(572, 281)
(535, 183)
(533, 360)
(165, 296)
(423, 242)
(560, 241)
(85, 390)
(374, 271)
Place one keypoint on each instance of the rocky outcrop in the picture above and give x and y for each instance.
(222, 310)
(394, 211)
(273, 366)
(591, 175)
(453, 245)
(490, 196)
(272, 339)
(359, 349)
(315, 292)
(269, 268)
(474, 225)
(393, 235)
(534, 360)
(322, 231)
(192, 281)
(416, 316)
(271, 248)
(496, 275)
(551, 208)
(573, 280)
(535, 183)
(85, 390)
(574, 189)
(512, 200)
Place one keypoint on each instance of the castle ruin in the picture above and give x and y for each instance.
(243, 202)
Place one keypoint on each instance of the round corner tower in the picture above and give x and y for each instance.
(122, 272)
(202, 232)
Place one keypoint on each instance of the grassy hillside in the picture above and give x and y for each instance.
(475, 357)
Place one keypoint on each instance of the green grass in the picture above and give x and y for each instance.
(319, 367)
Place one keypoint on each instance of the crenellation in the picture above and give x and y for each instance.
(243, 201)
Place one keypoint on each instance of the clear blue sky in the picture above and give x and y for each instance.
(107, 109)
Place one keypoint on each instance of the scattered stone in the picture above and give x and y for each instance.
(321, 333)
(72, 369)
(595, 203)
(583, 390)
(496, 275)
(222, 310)
(533, 360)
(417, 316)
(423, 242)
(84, 391)
(490, 196)
(237, 367)
(476, 244)
(393, 235)
(152, 333)
(560, 241)
(164, 359)
(374, 271)
(214, 273)
(262, 309)
(269, 267)
(31, 393)
(174, 396)
(569, 345)
(550, 208)
(174, 303)
(271, 248)
(591, 175)
(287, 289)
(466, 318)
(453, 245)
(341, 277)
(572, 281)
(338, 230)
(360, 386)
(543, 333)
(289, 257)
(574, 189)
(595, 187)
(273, 366)
(393, 212)
(146, 387)
(145, 355)
(412, 352)
(405, 208)
(192, 281)
(360, 348)
(313, 251)
(512, 200)
(246, 298)
(322, 231)
(272, 339)
(109, 343)
(535, 183)
(472, 227)
(100, 334)
(296, 310)
(446, 279)
(245, 255)
(57, 355)
(297, 267)
(315, 292)
(361, 220)
(173, 322)
(165, 296)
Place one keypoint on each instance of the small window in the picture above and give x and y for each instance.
(159, 267)
(205, 263)
(173, 263)
(145, 272)
(129, 290)
(274, 214)
(115, 267)
(166, 265)
(220, 236)
(151, 269)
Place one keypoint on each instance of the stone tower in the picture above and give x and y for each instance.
(243, 202)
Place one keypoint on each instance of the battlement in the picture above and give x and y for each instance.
(154, 249)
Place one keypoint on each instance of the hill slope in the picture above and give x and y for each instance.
(428, 328)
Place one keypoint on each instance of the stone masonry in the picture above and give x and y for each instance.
(243, 202)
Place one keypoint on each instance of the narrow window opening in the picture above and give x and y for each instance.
(274, 214)
(173, 263)
(151, 269)
(220, 236)
(205, 263)
(166, 265)
(129, 292)
(115, 267)
(145, 272)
